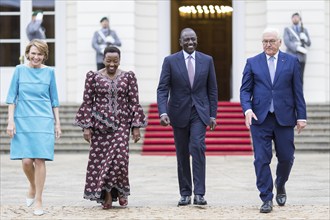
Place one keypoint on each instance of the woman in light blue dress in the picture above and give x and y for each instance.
(33, 119)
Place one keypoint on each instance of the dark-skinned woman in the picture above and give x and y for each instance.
(109, 113)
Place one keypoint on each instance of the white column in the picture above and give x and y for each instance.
(238, 47)
(60, 50)
(164, 30)
(25, 18)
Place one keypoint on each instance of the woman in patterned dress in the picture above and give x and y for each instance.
(109, 112)
(32, 109)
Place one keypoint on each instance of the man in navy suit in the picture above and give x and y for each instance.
(187, 98)
(272, 99)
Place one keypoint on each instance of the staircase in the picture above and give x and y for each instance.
(316, 136)
(229, 137)
(159, 140)
(72, 136)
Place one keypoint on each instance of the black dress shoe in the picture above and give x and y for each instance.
(280, 196)
(199, 200)
(184, 200)
(266, 207)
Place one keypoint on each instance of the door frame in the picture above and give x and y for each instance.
(60, 49)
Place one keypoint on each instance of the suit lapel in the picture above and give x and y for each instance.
(280, 63)
(198, 67)
(182, 67)
(264, 67)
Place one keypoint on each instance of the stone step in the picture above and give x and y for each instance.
(310, 127)
(317, 107)
(316, 136)
(83, 146)
(6, 141)
(66, 113)
(67, 125)
(138, 148)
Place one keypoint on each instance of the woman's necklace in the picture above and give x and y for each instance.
(109, 75)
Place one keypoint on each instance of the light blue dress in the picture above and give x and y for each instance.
(34, 93)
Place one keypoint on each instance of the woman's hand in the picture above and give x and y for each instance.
(11, 129)
(136, 136)
(87, 134)
(58, 131)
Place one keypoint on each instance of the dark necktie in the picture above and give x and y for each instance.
(271, 67)
(191, 71)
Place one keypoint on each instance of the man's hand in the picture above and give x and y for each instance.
(165, 120)
(213, 124)
(301, 125)
(39, 16)
(297, 43)
(248, 119)
(87, 135)
(303, 36)
(302, 49)
(109, 39)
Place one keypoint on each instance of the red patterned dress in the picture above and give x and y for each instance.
(111, 109)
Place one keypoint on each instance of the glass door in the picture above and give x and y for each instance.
(10, 33)
(47, 7)
(15, 15)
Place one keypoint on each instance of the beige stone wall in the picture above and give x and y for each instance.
(315, 16)
(136, 24)
(326, 49)
(146, 49)
(146, 41)
(71, 50)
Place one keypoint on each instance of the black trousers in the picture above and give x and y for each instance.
(190, 140)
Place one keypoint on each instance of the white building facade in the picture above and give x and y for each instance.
(144, 27)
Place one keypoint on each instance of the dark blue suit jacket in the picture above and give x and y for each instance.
(175, 95)
(257, 89)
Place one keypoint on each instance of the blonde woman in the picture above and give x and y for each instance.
(33, 108)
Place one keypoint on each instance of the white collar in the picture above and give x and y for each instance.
(275, 56)
(186, 55)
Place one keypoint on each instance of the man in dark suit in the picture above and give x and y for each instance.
(273, 102)
(187, 99)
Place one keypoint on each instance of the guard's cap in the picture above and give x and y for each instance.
(104, 18)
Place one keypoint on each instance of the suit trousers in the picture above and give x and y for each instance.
(190, 140)
(283, 137)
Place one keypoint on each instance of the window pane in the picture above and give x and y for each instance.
(51, 55)
(49, 24)
(10, 27)
(9, 53)
(10, 5)
(44, 5)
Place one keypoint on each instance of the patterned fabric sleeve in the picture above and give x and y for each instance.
(138, 119)
(84, 118)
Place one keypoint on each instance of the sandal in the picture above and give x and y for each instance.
(123, 201)
(106, 206)
(108, 198)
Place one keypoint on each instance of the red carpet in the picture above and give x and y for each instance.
(230, 137)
